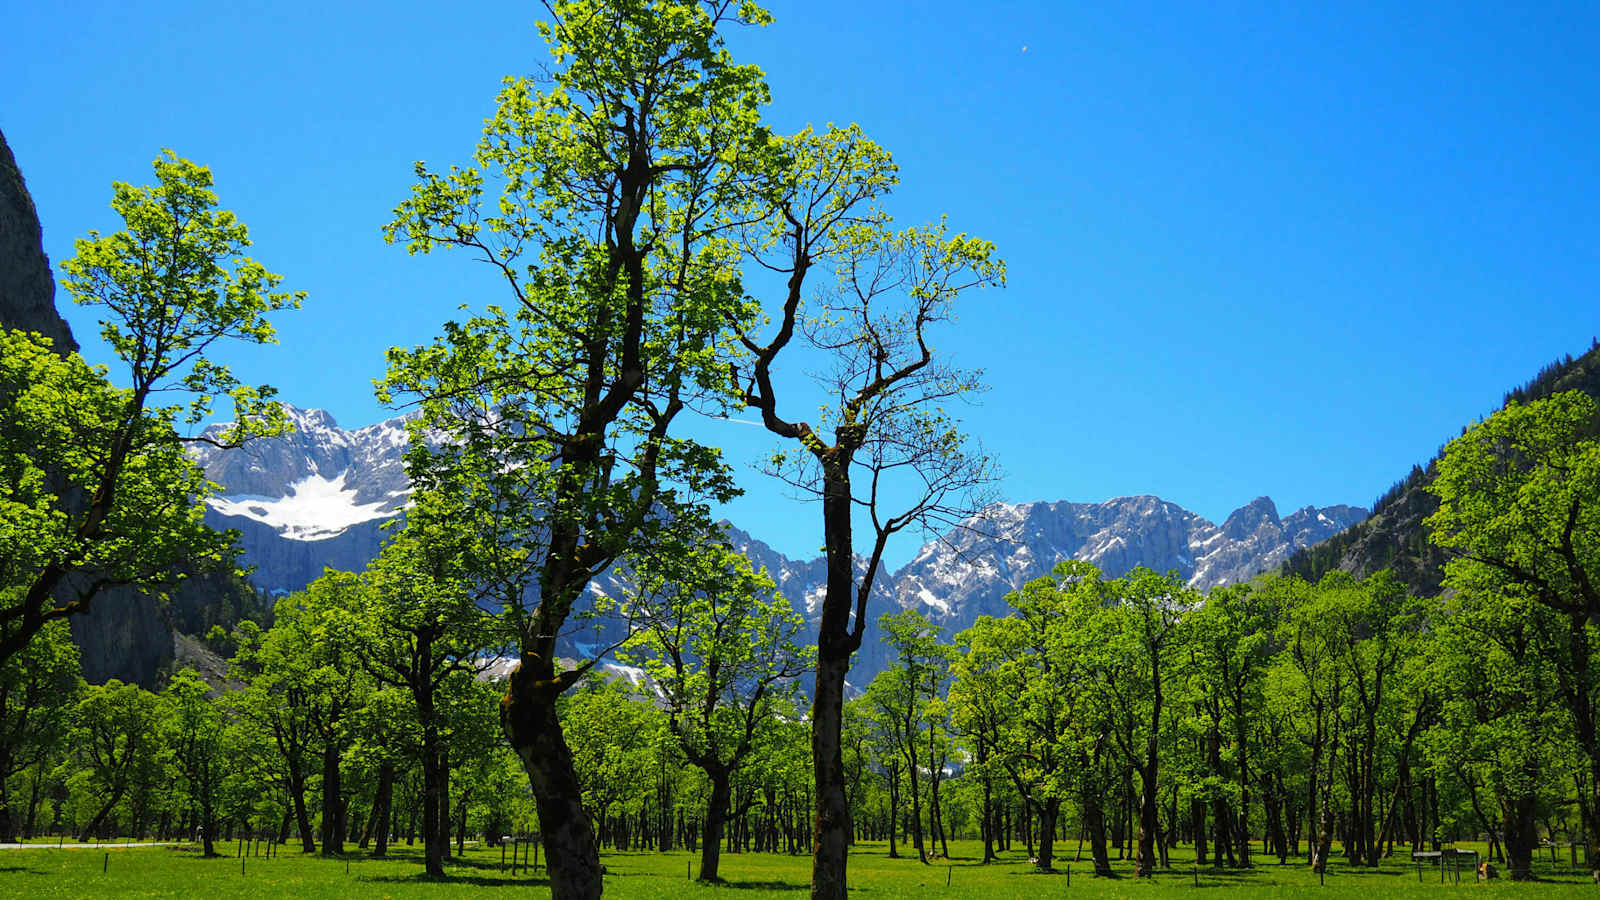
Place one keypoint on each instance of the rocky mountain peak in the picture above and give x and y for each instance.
(1250, 518)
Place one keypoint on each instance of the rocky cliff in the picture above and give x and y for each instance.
(27, 290)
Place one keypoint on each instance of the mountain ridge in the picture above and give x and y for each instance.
(319, 498)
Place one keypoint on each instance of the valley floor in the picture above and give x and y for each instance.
(181, 872)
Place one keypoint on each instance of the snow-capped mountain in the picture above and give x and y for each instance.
(313, 498)
(319, 496)
(968, 572)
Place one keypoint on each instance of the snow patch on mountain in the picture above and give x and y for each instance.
(314, 508)
(315, 483)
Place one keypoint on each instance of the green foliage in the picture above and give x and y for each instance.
(1519, 499)
(190, 727)
(607, 202)
(172, 284)
(1021, 684)
(95, 488)
(719, 642)
(115, 747)
(614, 739)
(38, 689)
(1397, 513)
(60, 421)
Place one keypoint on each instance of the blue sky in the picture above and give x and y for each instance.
(1280, 249)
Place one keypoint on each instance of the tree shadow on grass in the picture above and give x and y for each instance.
(23, 870)
(759, 885)
(475, 880)
(491, 865)
(1087, 872)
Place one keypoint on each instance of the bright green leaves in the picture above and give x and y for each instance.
(175, 281)
(822, 188)
(1519, 501)
(60, 425)
(123, 502)
(721, 644)
(604, 200)
(1519, 497)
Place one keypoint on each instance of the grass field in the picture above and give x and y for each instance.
(181, 872)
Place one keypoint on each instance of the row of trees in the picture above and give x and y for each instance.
(624, 196)
(302, 735)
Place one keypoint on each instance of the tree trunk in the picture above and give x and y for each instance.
(8, 822)
(916, 810)
(1049, 812)
(33, 801)
(208, 825)
(711, 830)
(433, 800)
(1145, 860)
(1094, 821)
(1521, 837)
(528, 717)
(831, 845)
(894, 809)
(99, 817)
(442, 824)
(988, 816)
(381, 806)
(302, 815)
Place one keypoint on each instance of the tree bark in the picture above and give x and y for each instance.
(8, 827)
(381, 806)
(711, 830)
(432, 804)
(441, 825)
(1094, 821)
(99, 817)
(1049, 812)
(1521, 837)
(988, 812)
(1145, 859)
(302, 815)
(916, 807)
(528, 717)
(832, 830)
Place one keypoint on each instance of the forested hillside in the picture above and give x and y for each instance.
(1394, 536)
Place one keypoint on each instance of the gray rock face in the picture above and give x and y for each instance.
(27, 290)
(126, 635)
(329, 477)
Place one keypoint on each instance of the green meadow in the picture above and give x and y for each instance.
(180, 871)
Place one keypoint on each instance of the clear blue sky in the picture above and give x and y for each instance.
(1281, 249)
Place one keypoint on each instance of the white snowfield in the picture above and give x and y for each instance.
(314, 509)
